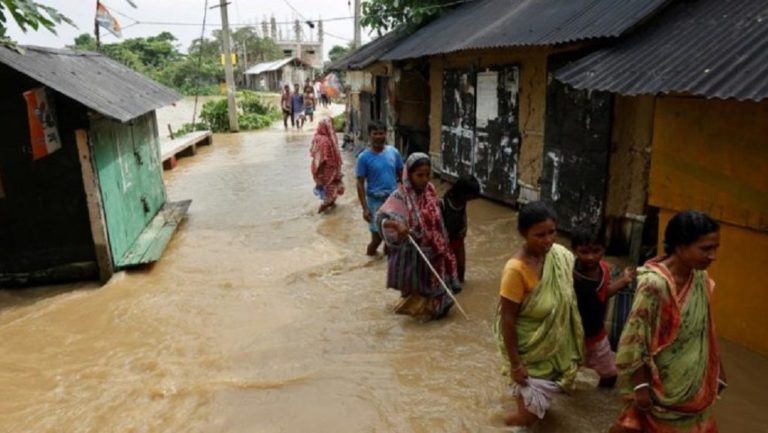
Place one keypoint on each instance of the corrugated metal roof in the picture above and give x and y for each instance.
(273, 66)
(369, 53)
(712, 48)
(92, 79)
(507, 23)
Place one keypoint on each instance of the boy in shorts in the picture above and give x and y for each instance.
(593, 286)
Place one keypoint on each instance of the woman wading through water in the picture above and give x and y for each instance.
(668, 358)
(414, 210)
(538, 328)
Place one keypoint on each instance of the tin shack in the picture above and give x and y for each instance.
(81, 187)
(694, 84)
(272, 76)
(494, 110)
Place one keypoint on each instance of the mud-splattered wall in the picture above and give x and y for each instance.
(630, 155)
(713, 156)
(532, 98)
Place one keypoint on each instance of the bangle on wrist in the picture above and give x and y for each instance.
(641, 386)
(518, 367)
(722, 383)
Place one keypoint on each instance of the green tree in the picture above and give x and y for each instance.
(250, 49)
(85, 41)
(385, 15)
(147, 55)
(338, 51)
(28, 14)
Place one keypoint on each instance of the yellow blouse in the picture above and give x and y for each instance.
(518, 281)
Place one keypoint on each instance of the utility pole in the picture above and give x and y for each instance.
(96, 31)
(357, 25)
(228, 74)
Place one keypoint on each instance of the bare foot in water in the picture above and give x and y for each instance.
(520, 417)
(324, 207)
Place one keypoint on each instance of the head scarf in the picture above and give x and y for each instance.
(420, 211)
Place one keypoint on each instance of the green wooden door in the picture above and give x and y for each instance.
(130, 177)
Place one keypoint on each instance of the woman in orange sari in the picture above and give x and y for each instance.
(668, 358)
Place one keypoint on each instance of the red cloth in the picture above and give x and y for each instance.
(421, 213)
(326, 161)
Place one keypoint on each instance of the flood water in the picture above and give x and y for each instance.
(265, 317)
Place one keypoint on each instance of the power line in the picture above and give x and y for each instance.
(294, 9)
(187, 23)
(191, 24)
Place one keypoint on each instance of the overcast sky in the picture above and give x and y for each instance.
(338, 32)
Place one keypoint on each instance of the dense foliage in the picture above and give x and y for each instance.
(385, 15)
(338, 51)
(196, 73)
(254, 113)
(340, 122)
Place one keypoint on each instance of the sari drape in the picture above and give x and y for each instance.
(423, 295)
(671, 332)
(326, 163)
(550, 336)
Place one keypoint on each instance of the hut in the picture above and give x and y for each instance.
(370, 88)
(82, 191)
(692, 97)
(272, 76)
(494, 112)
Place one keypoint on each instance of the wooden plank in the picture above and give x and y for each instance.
(95, 210)
(178, 145)
(154, 239)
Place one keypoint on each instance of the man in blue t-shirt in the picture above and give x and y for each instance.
(379, 169)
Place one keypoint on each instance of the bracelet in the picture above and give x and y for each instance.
(641, 386)
(519, 366)
(723, 383)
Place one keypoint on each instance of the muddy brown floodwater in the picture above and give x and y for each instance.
(265, 317)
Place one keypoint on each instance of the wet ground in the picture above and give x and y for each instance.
(263, 316)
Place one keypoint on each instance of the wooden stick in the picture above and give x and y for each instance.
(445, 286)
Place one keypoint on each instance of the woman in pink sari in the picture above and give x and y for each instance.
(326, 165)
(413, 209)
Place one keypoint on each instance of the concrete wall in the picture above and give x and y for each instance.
(713, 156)
(533, 91)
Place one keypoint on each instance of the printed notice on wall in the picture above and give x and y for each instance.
(43, 133)
(487, 97)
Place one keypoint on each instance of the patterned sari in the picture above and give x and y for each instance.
(671, 333)
(550, 335)
(326, 163)
(423, 295)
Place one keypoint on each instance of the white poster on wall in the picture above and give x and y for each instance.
(487, 97)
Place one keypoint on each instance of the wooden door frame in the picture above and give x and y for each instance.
(95, 207)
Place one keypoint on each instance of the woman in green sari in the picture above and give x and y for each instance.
(538, 328)
(668, 359)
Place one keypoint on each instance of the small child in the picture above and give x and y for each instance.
(593, 286)
(454, 210)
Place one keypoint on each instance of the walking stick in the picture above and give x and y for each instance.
(445, 286)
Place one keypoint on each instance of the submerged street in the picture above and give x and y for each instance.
(264, 317)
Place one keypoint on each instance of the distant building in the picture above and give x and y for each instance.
(298, 42)
(272, 76)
